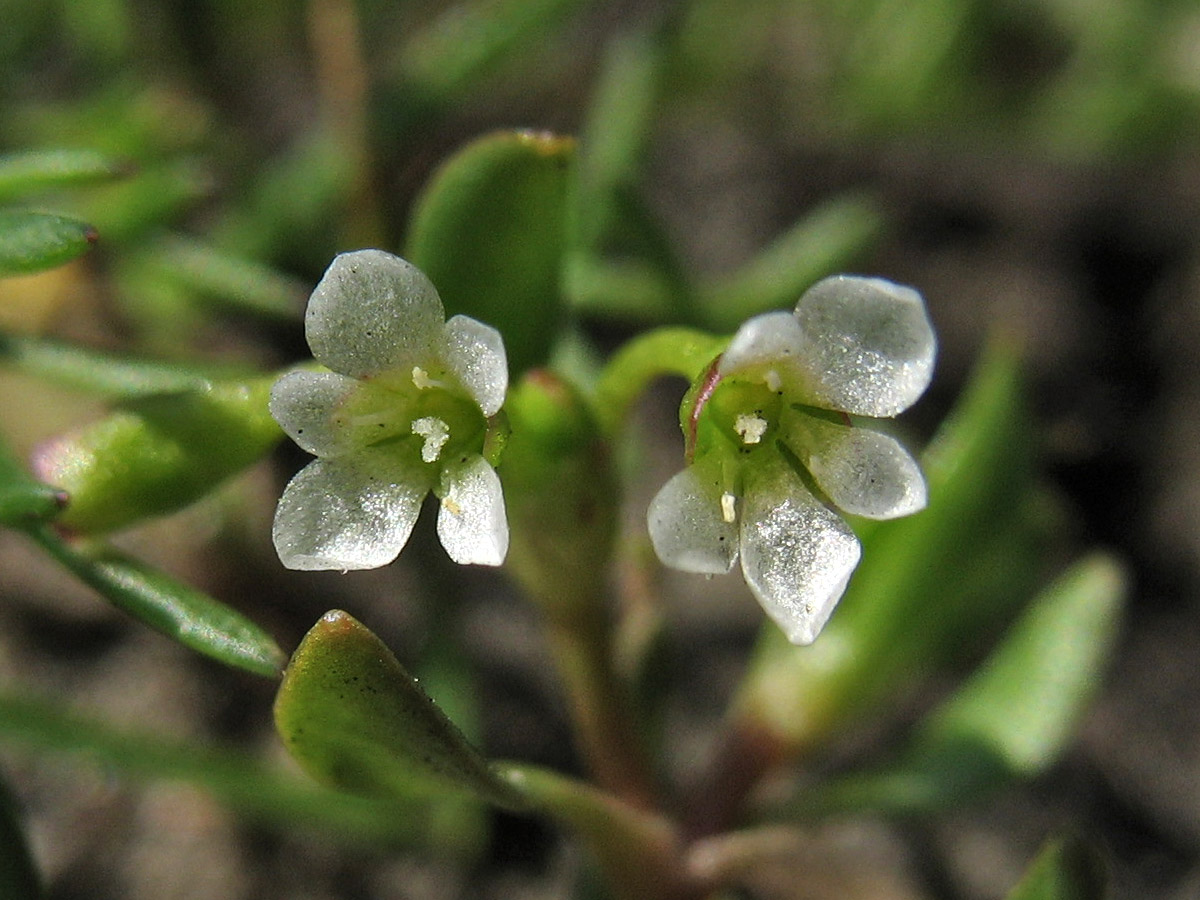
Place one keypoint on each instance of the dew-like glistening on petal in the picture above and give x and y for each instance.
(687, 526)
(864, 472)
(307, 406)
(373, 312)
(797, 556)
(869, 346)
(352, 512)
(471, 521)
(771, 342)
(475, 354)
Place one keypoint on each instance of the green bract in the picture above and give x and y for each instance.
(771, 442)
(405, 410)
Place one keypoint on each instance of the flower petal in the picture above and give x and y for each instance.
(475, 354)
(870, 346)
(863, 471)
(306, 404)
(797, 556)
(471, 522)
(773, 341)
(687, 527)
(352, 512)
(373, 312)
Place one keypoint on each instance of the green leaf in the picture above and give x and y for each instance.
(829, 238)
(171, 607)
(18, 875)
(353, 717)
(916, 596)
(23, 499)
(158, 453)
(24, 173)
(242, 781)
(34, 241)
(471, 39)
(489, 231)
(226, 280)
(1014, 716)
(102, 373)
(1066, 869)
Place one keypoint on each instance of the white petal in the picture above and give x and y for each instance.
(870, 346)
(352, 512)
(373, 312)
(772, 342)
(687, 526)
(471, 522)
(797, 556)
(306, 405)
(475, 354)
(865, 472)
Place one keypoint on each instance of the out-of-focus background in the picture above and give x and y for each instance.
(1032, 167)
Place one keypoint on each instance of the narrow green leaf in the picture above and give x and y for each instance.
(1066, 869)
(1025, 701)
(353, 717)
(1012, 718)
(171, 607)
(158, 453)
(23, 499)
(102, 373)
(829, 238)
(18, 875)
(226, 280)
(238, 779)
(24, 173)
(489, 231)
(914, 598)
(471, 39)
(34, 241)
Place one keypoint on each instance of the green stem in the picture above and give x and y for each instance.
(664, 351)
(581, 641)
(639, 851)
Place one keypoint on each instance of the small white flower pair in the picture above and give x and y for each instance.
(405, 409)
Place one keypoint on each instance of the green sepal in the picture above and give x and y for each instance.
(25, 173)
(353, 717)
(1012, 718)
(35, 241)
(916, 597)
(156, 454)
(1066, 869)
(489, 231)
(181, 612)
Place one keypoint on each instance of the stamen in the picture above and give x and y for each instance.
(774, 382)
(422, 380)
(729, 507)
(436, 433)
(750, 428)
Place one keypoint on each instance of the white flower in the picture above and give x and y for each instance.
(770, 441)
(403, 411)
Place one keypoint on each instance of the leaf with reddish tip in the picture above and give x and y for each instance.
(33, 241)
